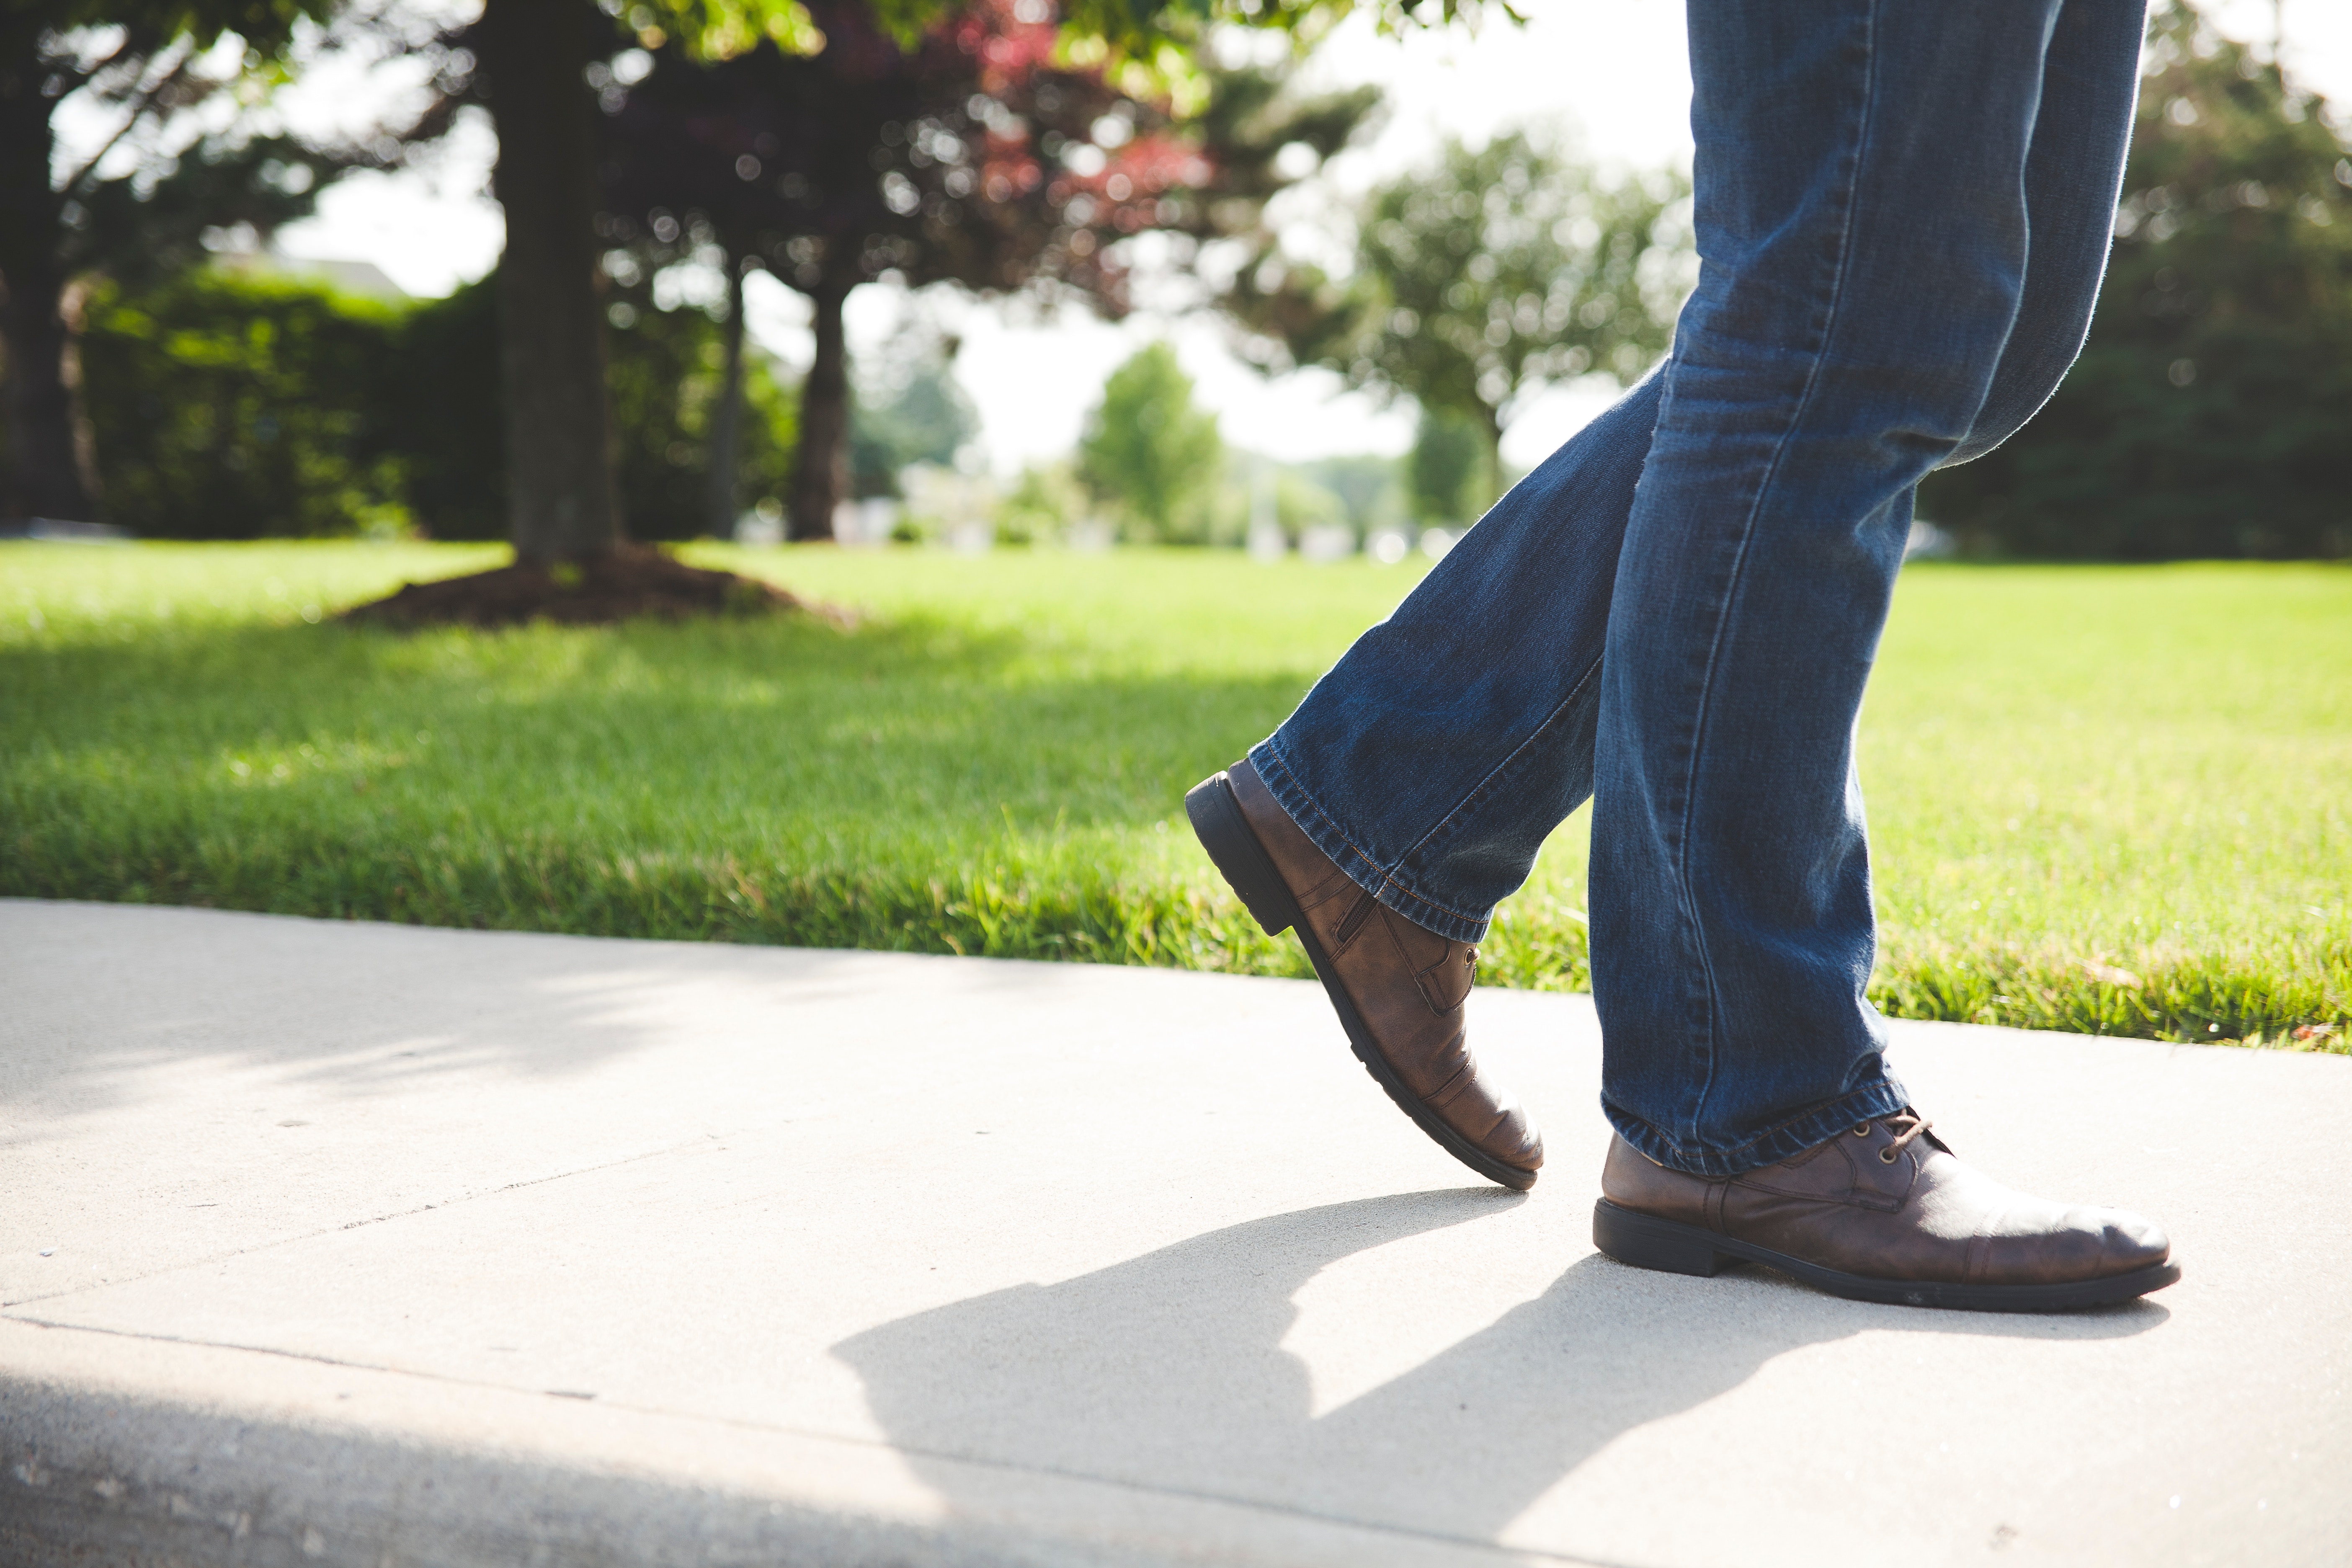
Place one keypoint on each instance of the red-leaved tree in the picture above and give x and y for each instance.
(979, 156)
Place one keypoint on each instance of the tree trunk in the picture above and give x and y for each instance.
(727, 418)
(821, 461)
(44, 479)
(561, 502)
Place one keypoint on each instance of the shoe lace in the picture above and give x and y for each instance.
(1908, 1126)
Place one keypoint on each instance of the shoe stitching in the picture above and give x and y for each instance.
(1353, 921)
(1429, 981)
(1485, 788)
(1972, 1270)
(1324, 891)
(1979, 1255)
(1441, 1097)
(1398, 951)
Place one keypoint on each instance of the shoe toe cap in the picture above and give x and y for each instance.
(1490, 1117)
(2050, 1245)
(1514, 1138)
(2129, 1242)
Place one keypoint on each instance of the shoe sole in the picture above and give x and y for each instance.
(1645, 1241)
(1225, 832)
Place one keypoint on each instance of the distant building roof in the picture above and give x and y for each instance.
(365, 278)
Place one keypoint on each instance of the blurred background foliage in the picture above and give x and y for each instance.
(229, 408)
(1450, 471)
(910, 413)
(1485, 276)
(66, 215)
(247, 407)
(2207, 417)
(1149, 454)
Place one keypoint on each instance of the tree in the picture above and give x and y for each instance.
(1147, 450)
(563, 505)
(1489, 274)
(931, 164)
(535, 56)
(1450, 471)
(2209, 412)
(1368, 486)
(978, 157)
(919, 415)
(140, 61)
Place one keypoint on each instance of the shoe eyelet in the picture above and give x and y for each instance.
(1887, 1155)
(1862, 1129)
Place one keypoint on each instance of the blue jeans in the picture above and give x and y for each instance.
(1902, 210)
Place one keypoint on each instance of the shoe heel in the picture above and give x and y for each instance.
(1225, 833)
(1648, 1242)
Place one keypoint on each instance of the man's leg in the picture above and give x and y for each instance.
(1862, 215)
(2073, 177)
(1436, 756)
(1413, 786)
(1867, 184)
(1429, 766)
(1434, 759)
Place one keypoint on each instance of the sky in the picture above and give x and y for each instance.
(1612, 73)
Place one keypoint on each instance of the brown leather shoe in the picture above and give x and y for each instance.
(1882, 1213)
(1399, 989)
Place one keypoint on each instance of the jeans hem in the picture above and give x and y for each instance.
(1815, 1125)
(1282, 783)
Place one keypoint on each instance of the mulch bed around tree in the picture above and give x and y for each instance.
(632, 582)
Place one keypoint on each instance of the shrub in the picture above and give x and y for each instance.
(237, 407)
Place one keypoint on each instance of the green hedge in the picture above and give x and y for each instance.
(229, 408)
(235, 408)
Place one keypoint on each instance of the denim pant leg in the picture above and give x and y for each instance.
(1436, 757)
(1862, 219)
(2073, 178)
(1433, 760)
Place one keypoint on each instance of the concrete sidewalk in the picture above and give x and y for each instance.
(370, 1245)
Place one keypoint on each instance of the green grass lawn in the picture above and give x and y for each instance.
(2107, 799)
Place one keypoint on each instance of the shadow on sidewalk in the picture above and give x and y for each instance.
(103, 993)
(1166, 1372)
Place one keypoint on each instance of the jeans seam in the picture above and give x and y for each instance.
(1486, 787)
(1274, 755)
(1478, 792)
(1747, 535)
